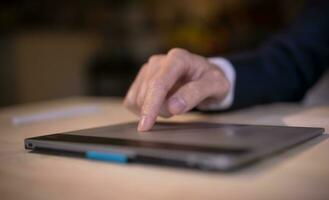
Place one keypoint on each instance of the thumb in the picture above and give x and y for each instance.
(189, 95)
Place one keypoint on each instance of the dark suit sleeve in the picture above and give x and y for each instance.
(287, 65)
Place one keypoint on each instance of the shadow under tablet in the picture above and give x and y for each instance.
(202, 145)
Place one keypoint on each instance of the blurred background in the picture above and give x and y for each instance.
(54, 49)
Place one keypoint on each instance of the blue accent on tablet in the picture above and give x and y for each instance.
(110, 157)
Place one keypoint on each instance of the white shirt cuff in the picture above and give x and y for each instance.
(229, 72)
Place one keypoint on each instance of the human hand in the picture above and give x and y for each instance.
(174, 83)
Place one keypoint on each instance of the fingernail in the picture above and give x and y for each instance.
(176, 105)
(143, 124)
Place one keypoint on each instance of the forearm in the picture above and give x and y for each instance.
(287, 65)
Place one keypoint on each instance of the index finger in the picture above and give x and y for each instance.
(171, 70)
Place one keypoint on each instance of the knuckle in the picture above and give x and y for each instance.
(217, 74)
(154, 58)
(176, 52)
(139, 102)
(129, 103)
(220, 79)
(140, 99)
(177, 58)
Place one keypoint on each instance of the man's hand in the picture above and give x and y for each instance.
(174, 83)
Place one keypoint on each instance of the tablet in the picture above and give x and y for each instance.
(201, 145)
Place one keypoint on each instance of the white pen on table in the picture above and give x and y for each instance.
(55, 114)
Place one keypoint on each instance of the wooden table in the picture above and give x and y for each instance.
(300, 173)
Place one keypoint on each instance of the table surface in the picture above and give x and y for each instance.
(300, 173)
